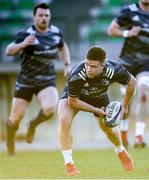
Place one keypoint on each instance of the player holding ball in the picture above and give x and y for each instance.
(86, 90)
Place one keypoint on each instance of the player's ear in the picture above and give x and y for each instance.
(103, 64)
(50, 15)
(34, 18)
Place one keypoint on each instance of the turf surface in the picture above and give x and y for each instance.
(99, 164)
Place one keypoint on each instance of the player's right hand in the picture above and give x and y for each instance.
(101, 112)
(134, 31)
(67, 71)
(29, 40)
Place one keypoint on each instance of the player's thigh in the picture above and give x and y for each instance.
(143, 86)
(18, 109)
(65, 113)
(105, 128)
(48, 97)
(143, 92)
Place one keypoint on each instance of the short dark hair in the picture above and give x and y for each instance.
(96, 53)
(41, 5)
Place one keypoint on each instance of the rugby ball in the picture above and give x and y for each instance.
(113, 110)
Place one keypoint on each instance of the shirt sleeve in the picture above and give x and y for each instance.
(123, 18)
(61, 42)
(74, 88)
(122, 76)
(20, 37)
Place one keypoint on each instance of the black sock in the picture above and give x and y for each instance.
(39, 119)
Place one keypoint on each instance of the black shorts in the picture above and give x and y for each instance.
(27, 92)
(136, 68)
(96, 102)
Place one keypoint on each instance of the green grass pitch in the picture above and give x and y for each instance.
(99, 164)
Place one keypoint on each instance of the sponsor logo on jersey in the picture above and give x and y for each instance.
(105, 82)
(86, 85)
(53, 51)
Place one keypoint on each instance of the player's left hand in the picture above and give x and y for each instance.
(124, 112)
(67, 71)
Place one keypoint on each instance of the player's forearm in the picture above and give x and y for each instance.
(114, 30)
(130, 90)
(81, 105)
(65, 55)
(13, 49)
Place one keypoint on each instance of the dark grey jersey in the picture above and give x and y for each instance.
(37, 60)
(135, 49)
(95, 90)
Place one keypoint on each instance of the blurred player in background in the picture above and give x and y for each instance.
(132, 23)
(38, 45)
(86, 90)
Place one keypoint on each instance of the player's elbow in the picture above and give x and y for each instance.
(10, 50)
(114, 29)
(111, 28)
(109, 31)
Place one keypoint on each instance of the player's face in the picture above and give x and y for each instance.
(93, 68)
(145, 2)
(42, 18)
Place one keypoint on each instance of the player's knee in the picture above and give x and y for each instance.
(16, 117)
(109, 132)
(143, 98)
(49, 111)
(12, 126)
